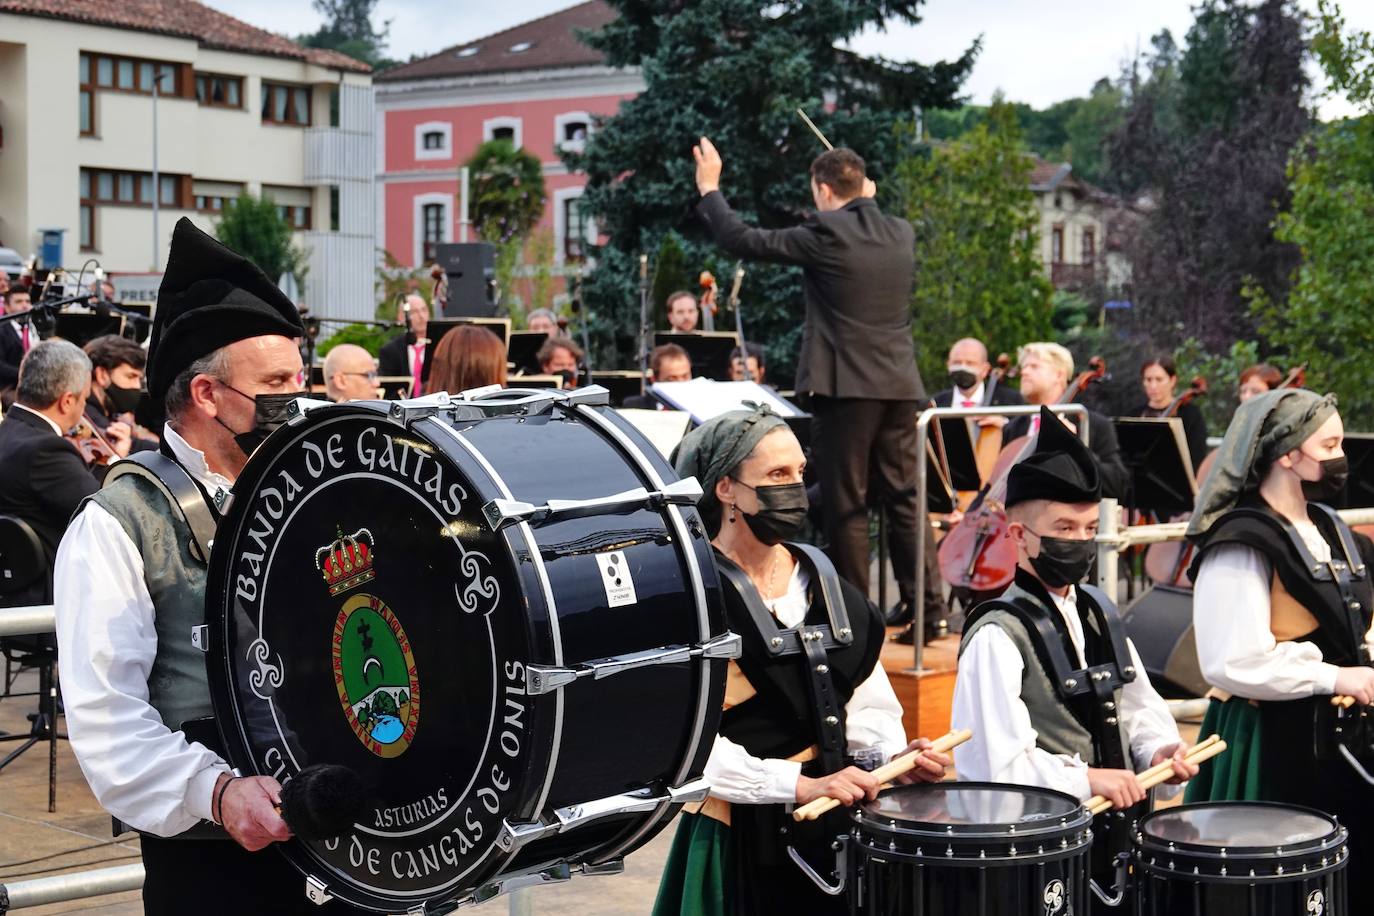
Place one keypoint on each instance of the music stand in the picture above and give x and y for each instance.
(621, 383)
(709, 351)
(438, 327)
(1359, 489)
(535, 381)
(140, 328)
(1156, 452)
(82, 329)
(395, 387)
(523, 346)
(956, 442)
(316, 382)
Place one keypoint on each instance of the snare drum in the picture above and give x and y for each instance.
(955, 848)
(502, 614)
(1224, 858)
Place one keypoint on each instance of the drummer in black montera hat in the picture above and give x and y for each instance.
(130, 586)
(1026, 661)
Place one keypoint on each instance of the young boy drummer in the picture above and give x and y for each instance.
(1052, 689)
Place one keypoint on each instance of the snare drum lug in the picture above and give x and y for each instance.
(316, 891)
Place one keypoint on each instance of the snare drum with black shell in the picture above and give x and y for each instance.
(966, 848)
(1228, 858)
(502, 614)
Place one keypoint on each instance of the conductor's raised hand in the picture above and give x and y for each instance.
(845, 786)
(870, 188)
(709, 166)
(248, 811)
(930, 765)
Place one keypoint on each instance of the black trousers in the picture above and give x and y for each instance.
(865, 455)
(221, 878)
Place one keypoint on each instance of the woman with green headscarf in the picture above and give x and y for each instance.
(1281, 615)
(808, 711)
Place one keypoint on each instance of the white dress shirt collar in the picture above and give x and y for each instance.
(193, 460)
(976, 396)
(46, 419)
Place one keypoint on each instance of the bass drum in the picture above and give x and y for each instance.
(502, 614)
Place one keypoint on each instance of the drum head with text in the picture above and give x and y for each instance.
(363, 614)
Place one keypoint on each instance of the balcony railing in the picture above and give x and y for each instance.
(1072, 276)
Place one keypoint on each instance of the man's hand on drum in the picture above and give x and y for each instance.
(846, 786)
(1356, 682)
(248, 811)
(930, 765)
(1174, 753)
(1120, 787)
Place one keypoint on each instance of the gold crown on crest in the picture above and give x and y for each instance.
(346, 563)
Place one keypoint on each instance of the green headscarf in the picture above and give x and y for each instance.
(1265, 428)
(714, 449)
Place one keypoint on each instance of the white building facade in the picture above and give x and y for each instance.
(237, 109)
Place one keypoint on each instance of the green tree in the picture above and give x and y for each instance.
(737, 70)
(975, 220)
(507, 191)
(348, 29)
(255, 229)
(671, 274)
(1324, 319)
(1093, 121)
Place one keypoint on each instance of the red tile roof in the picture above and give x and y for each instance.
(184, 19)
(544, 43)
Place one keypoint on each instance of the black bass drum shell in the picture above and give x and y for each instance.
(362, 612)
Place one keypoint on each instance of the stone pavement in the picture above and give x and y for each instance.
(28, 832)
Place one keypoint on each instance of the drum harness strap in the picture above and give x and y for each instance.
(813, 642)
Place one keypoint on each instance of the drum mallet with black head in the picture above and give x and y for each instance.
(323, 801)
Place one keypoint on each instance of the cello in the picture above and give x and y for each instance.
(977, 554)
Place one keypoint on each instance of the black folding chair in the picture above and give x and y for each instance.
(25, 579)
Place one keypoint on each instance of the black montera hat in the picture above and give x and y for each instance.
(210, 297)
(1061, 469)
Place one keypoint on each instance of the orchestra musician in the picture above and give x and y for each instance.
(1159, 380)
(1258, 379)
(542, 320)
(467, 357)
(683, 313)
(560, 356)
(758, 365)
(969, 372)
(667, 363)
(792, 731)
(1028, 725)
(857, 360)
(129, 588)
(1045, 371)
(1281, 614)
(350, 374)
(16, 337)
(405, 355)
(116, 387)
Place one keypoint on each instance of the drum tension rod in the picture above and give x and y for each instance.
(541, 679)
(515, 835)
(502, 512)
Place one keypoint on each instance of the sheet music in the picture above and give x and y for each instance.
(705, 399)
(664, 428)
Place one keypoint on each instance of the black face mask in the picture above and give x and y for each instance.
(1335, 472)
(782, 512)
(963, 379)
(122, 400)
(1063, 561)
(569, 378)
(269, 415)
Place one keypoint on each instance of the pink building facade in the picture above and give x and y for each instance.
(535, 84)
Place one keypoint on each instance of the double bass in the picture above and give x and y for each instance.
(989, 444)
(977, 554)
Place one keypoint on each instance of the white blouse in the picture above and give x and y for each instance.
(873, 720)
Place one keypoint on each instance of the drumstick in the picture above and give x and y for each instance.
(1343, 701)
(819, 136)
(889, 771)
(1162, 772)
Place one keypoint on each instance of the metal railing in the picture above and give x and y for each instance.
(31, 620)
(922, 485)
(95, 882)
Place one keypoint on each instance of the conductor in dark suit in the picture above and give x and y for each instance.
(43, 478)
(857, 359)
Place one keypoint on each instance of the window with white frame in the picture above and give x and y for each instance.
(433, 225)
(573, 228)
(570, 131)
(434, 140)
(503, 129)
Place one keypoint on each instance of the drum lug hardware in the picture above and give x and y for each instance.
(613, 867)
(200, 637)
(410, 410)
(1070, 683)
(316, 891)
(1111, 720)
(297, 409)
(542, 679)
(549, 875)
(502, 512)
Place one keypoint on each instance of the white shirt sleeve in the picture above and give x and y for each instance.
(1149, 724)
(143, 773)
(741, 778)
(1236, 649)
(987, 701)
(873, 716)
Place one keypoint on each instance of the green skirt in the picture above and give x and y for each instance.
(697, 878)
(1235, 775)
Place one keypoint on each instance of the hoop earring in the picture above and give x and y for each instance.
(732, 513)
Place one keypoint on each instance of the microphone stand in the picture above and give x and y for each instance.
(643, 323)
(733, 302)
(312, 330)
(43, 315)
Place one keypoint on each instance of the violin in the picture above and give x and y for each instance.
(710, 292)
(977, 554)
(1197, 388)
(1297, 377)
(94, 448)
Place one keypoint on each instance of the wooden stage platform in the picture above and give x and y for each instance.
(925, 697)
